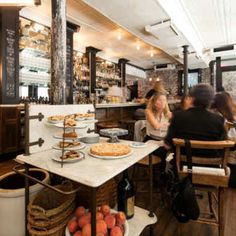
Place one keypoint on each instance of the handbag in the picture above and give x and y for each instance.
(184, 203)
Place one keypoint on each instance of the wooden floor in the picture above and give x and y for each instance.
(167, 224)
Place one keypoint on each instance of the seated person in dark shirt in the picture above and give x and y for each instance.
(197, 122)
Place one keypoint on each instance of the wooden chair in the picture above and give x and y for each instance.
(210, 179)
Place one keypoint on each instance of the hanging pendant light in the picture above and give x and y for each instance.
(20, 2)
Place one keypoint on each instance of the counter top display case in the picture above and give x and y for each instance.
(81, 80)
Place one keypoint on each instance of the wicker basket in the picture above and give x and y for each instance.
(50, 222)
(106, 194)
(56, 231)
(48, 203)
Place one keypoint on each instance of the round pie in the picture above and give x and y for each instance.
(110, 149)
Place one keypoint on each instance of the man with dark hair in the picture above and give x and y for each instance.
(197, 122)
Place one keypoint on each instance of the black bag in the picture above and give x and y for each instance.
(184, 204)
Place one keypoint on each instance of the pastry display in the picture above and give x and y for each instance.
(70, 122)
(70, 155)
(56, 118)
(110, 149)
(66, 144)
(89, 115)
(70, 135)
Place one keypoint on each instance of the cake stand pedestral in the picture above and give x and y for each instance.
(113, 133)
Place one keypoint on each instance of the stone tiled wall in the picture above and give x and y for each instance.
(170, 79)
(229, 82)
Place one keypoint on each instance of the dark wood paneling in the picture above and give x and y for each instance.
(10, 129)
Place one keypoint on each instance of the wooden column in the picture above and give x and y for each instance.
(9, 55)
(211, 66)
(219, 86)
(58, 54)
(185, 52)
(71, 28)
(122, 67)
(91, 53)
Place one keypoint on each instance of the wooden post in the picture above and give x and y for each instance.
(91, 52)
(9, 55)
(185, 52)
(71, 28)
(122, 67)
(219, 86)
(58, 54)
(211, 66)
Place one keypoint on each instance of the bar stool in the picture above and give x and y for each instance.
(209, 179)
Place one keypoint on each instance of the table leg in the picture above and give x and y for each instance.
(93, 210)
(151, 214)
(26, 198)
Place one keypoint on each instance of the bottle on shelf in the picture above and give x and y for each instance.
(125, 195)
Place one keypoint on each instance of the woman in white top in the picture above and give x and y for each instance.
(157, 117)
(157, 121)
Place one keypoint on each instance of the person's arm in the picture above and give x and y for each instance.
(171, 133)
(153, 121)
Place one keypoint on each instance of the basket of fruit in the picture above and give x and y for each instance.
(108, 222)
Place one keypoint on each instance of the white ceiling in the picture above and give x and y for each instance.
(211, 21)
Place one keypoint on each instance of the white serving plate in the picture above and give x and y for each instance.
(110, 157)
(72, 160)
(77, 126)
(78, 147)
(59, 136)
(138, 145)
(126, 226)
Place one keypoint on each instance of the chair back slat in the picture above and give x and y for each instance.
(220, 162)
(204, 160)
(204, 144)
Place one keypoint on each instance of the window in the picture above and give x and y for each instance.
(193, 79)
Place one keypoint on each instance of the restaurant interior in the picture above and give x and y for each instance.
(90, 93)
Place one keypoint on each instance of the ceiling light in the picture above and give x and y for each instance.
(150, 79)
(138, 47)
(119, 37)
(151, 54)
(20, 2)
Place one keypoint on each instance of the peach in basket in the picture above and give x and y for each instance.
(108, 222)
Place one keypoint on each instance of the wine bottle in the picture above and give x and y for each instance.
(125, 195)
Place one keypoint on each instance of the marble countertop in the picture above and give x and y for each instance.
(11, 105)
(90, 171)
(110, 105)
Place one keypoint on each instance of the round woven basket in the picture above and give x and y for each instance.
(106, 194)
(49, 203)
(56, 231)
(50, 222)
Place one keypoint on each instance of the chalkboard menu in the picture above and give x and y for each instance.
(9, 29)
(10, 63)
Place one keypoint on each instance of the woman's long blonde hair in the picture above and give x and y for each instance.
(152, 102)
